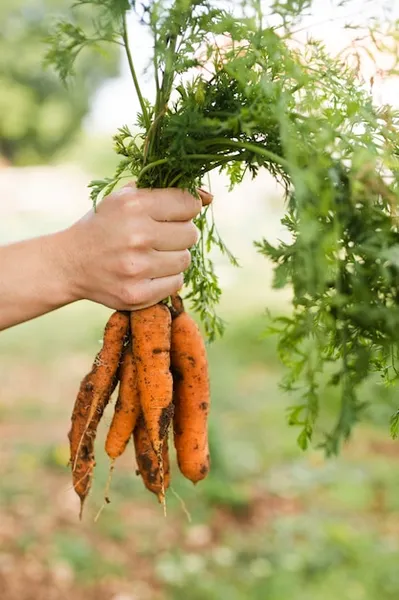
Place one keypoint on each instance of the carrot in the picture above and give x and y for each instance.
(191, 394)
(155, 479)
(83, 467)
(127, 408)
(94, 393)
(151, 334)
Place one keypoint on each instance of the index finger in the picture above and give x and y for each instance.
(170, 204)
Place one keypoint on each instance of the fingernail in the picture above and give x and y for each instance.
(206, 197)
(205, 192)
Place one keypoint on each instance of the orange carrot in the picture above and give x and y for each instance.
(127, 408)
(151, 331)
(191, 394)
(148, 463)
(94, 393)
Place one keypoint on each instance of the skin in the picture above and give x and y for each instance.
(128, 255)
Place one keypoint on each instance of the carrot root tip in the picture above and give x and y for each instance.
(82, 502)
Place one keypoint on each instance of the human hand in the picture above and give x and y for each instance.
(131, 252)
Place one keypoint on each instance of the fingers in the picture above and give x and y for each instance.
(169, 204)
(149, 292)
(149, 277)
(166, 237)
(151, 264)
(165, 264)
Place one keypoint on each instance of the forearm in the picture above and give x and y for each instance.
(34, 278)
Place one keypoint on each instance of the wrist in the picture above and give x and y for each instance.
(62, 263)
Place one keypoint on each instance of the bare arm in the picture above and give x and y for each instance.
(33, 279)
(131, 253)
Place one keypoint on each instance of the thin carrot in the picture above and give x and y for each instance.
(151, 334)
(148, 463)
(83, 468)
(191, 394)
(127, 408)
(94, 393)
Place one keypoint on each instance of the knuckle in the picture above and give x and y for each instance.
(127, 295)
(124, 196)
(133, 265)
(140, 238)
(140, 267)
(132, 295)
(125, 264)
(131, 203)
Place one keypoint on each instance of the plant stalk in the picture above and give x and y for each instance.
(133, 73)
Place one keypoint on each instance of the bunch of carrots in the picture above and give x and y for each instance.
(158, 357)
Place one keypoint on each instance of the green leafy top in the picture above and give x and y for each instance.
(257, 102)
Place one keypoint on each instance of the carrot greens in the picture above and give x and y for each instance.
(234, 91)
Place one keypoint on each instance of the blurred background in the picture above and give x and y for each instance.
(270, 522)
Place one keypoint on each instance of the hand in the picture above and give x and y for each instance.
(131, 252)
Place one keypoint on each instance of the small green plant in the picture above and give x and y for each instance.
(235, 93)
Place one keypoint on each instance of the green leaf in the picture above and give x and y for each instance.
(395, 425)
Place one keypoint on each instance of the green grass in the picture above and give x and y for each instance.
(336, 562)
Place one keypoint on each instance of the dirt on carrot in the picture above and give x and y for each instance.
(155, 479)
(94, 393)
(151, 335)
(127, 408)
(191, 394)
(158, 356)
